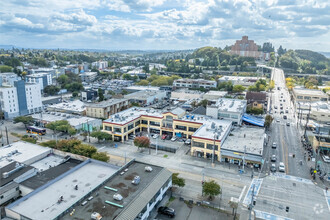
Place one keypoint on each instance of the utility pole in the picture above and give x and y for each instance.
(251, 204)
(244, 157)
(7, 136)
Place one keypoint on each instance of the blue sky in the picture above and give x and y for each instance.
(164, 24)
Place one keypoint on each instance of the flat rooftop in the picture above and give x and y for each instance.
(76, 106)
(106, 103)
(142, 88)
(123, 183)
(194, 80)
(10, 167)
(230, 105)
(304, 91)
(144, 94)
(240, 78)
(133, 113)
(209, 126)
(87, 175)
(47, 162)
(250, 137)
(22, 152)
(50, 173)
(74, 120)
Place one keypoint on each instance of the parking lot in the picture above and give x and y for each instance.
(183, 211)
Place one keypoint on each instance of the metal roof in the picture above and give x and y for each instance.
(136, 205)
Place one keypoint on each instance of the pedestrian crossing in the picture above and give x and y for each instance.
(256, 183)
(269, 216)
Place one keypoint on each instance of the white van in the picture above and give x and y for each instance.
(281, 167)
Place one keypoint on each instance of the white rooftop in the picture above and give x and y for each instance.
(304, 91)
(74, 120)
(44, 204)
(250, 137)
(22, 152)
(47, 162)
(142, 88)
(230, 105)
(210, 127)
(143, 94)
(77, 106)
(240, 78)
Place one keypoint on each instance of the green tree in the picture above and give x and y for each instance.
(238, 88)
(101, 135)
(176, 180)
(51, 90)
(26, 120)
(84, 150)
(271, 84)
(102, 156)
(268, 121)
(127, 76)
(153, 71)
(5, 68)
(143, 83)
(100, 93)
(142, 142)
(203, 103)
(75, 94)
(211, 189)
(72, 131)
(29, 139)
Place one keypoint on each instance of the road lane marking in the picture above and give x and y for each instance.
(240, 196)
(293, 178)
(327, 197)
(269, 216)
(257, 185)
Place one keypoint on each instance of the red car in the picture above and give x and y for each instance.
(164, 136)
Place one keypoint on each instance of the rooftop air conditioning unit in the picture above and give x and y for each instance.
(117, 197)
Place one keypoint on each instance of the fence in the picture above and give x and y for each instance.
(163, 148)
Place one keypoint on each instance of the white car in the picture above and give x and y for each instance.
(274, 145)
(326, 158)
(281, 167)
(155, 136)
(173, 138)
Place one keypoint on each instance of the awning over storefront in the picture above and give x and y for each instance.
(239, 156)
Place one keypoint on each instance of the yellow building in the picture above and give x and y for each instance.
(203, 131)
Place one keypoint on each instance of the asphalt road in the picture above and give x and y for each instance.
(284, 132)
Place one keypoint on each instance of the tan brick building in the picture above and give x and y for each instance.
(106, 108)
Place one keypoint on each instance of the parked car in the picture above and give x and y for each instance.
(288, 124)
(166, 211)
(285, 117)
(173, 138)
(326, 158)
(281, 167)
(155, 136)
(274, 145)
(273, 158)
(273, 167)
(164, 136)
(148, 169)
(188, 142)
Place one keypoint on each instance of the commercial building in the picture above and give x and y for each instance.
(184, 95)
(92, 188)
(240, 80)
(309, 95)
(245, 48)
(76, 121)
(141, 88)
(214, 95)
(244, 144)
(146, 97)
(73, 107)
(106, 108)
(43, 79)
(229, 109)
(318, 111)
(199, 128)
(321, 143)
(20, 99)
(88, 95)
(88, 76)
(194, 83)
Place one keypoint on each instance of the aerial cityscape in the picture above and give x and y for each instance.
(155, 110)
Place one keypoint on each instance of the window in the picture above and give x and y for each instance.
(108, 128)
(210, 147)
(192, 129)
(197, 144)
(130, 126)
(118, 130)
(223, 115)
(137, 123)
(154, 123)
(144, 122)
(179, 127)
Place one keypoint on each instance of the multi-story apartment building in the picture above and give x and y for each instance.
(240, 80)
(43, 79)
(309, 95)
(9, 78)
(100, 65)
(246, 48)
(106, 108)
(229, 109)
(20, 99)
(204, 132)
(88, 76)
(194, 83)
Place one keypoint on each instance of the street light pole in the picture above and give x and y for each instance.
(251, 204)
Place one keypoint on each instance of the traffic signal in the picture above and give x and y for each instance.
(254, 202)
(287, 209)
